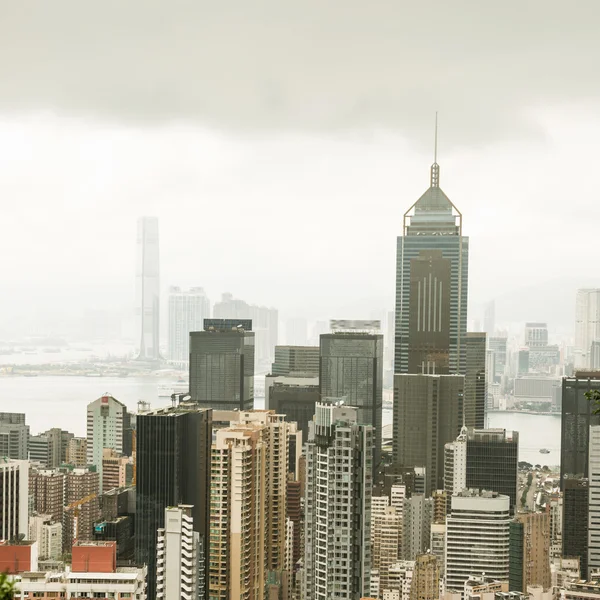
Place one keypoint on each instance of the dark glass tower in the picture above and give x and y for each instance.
(173, 467)
(575, 521)
(352, 367)
(575, 424)
(222, 365)
(475, 388)
(431, 286)
(492, 462)
(296, 401)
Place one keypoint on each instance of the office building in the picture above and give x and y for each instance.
(352, 369)
(455, 466)
(428, 413)
(489, 318)
(14, 498)
(416, 519)
(147, 305)
(475, 380)
(294, 397)
(492, 462)
(178, 561)
(47, 490)
(293, 360)
(594, 499)
(77, 452)
(536, 335)
(48, 534)
(178, 474)
(265, 325)
(106, 422)
(530, 551)
(14, 436)
(497, 346)
(222, 365)
(468, 552)
(187, 311)
(82, 510)
(339, 463)
(426, 578)
(575, 521)
(39, 450)
(431, 286)
(577, 416)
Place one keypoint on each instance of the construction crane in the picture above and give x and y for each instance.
(75, 507)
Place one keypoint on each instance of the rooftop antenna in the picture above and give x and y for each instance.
(435, 168)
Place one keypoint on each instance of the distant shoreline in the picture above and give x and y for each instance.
(526, 412)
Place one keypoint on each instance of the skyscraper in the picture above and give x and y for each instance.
(431, 286)
(575, 423)
(339, 464)
(587, 325)
(352, 369)
(468, 551)
(222, 365)
(455, 466)
(492, 462)
(14, 495)
(147, 305)
(428, 413)
(173, 467)
(576, 520)
(475, 380)
(594, 499)
(14, 435)
(187, 311)
(106, 421)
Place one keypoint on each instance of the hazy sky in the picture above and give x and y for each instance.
(280, 143)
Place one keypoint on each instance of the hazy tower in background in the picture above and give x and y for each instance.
(587, 325)
(431, 286)
(147, 294)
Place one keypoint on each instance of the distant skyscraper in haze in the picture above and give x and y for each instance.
(587, 325)
(296, 331)
(489, 318)
(147, 305)
(431, 286)
(352, 369)
(222, 365)
(187, 311)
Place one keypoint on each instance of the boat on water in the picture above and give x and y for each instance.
(544, 451)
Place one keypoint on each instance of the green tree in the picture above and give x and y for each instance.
(594, 396)
(7, 588)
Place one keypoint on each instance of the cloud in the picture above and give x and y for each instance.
(270, 66)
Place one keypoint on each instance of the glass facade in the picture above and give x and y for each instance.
(575, 521)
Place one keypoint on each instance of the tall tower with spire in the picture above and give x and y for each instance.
(431, 285)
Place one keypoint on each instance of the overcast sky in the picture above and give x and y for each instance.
(279, 144)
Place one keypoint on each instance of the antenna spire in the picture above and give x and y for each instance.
(435, 168)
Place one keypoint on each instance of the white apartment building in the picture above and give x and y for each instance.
(477, 537)
(106, 418)
(187, 311)
(455, 465)
(339, 462)
(48, 534)
(177, 556)
(14, 494)
(397, 496)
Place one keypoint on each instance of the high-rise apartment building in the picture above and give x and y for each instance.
(147, 305)
(114, 469)
(386, 541)
(437, 544)
(187, 311)
(426, 578)
(293, 360)
(339, 465)
(107, 418)
(47, 489)
(39, 450)
(77, 452)
(455, 466)
(475, 380)
(222, 365)
(468, 552)
(594, 499)
(530, 551)
(14, 498)
(82, 510)
(48, 534)
(428, 413)
(265, 324)
(14, 435)
(173, 467)
(431, 286)
(576, 520)
(417, 519)
(58, 442)
(587, 325)
(178, 565)
(352, 369)
(577, 416)
(492, 462)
